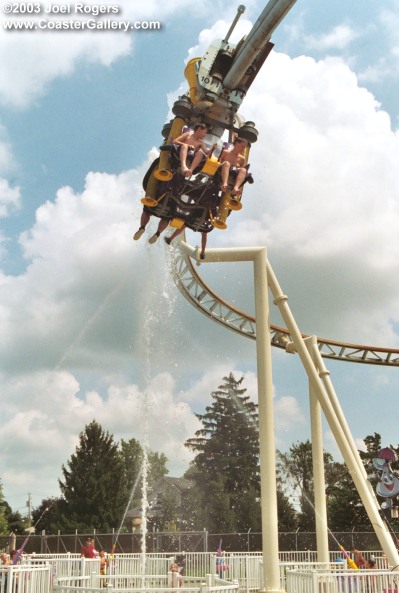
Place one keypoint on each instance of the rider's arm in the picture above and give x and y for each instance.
(182, 139)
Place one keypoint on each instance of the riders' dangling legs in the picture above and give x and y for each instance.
(199, 155)
(168, 240)
(204, 238)
(144, 220)
(241, 173)
(183, 158)
(161, 227)
(225, 170)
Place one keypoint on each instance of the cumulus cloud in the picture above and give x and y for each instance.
(338, 222)
(35, 59)
(47, 430)
(339, 37)
(10, 198)
(288, 413)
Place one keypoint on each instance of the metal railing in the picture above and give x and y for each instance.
(184, 542)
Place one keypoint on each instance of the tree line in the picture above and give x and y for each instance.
(102, 476)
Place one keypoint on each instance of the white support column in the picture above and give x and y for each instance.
(271, 572)
(325, 377)
(323, 554)
(267, 448)
(333, 398)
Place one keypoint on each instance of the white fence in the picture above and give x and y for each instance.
(139, 584)
(342, 581)
(299, 573)
(25, 579)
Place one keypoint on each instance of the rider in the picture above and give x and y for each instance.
(191, 143)
(233, 161)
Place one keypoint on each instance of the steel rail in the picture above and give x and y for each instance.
(208, 302)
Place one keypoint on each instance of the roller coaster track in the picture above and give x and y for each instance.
(205, 300)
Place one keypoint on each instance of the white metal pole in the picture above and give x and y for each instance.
(324, 374)
(323, 554)
(271, 572)
(267, 449)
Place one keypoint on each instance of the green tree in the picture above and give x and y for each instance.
(167, 519)
(193, 513)
(48, 516)
(16, 523)
(287, 515)
(248, 511)
(373, 446)
(344, 507)
(3, 512)
(295, 469)
(226, 465)
(94, 486)
(132, 454)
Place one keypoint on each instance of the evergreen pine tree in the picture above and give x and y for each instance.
(94, 485)
(226, 465)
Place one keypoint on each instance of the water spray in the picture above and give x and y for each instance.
(20, 551)
(126, 510)
(351, 563)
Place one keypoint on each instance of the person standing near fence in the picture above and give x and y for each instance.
(104, 563)
(175, 580)
(358, 559)
(88, 550)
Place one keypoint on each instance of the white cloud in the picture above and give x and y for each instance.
(46, 430)
(340, 37)
(288, 413)
(35, 59)
(10, 198)
(338, 220)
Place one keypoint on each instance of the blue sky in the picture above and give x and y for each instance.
(92, 324)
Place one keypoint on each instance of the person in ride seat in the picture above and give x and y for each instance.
(192, 143)
(233, 161)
